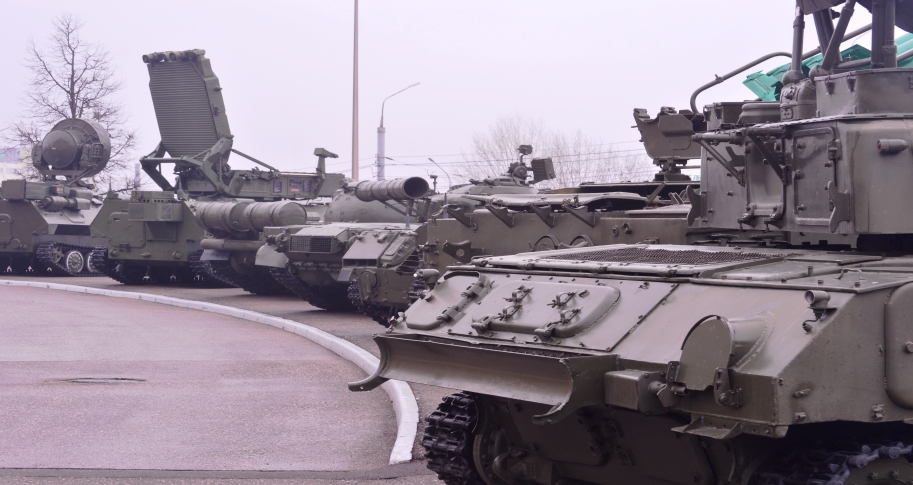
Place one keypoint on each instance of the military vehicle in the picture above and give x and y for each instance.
(781, 361)
(591, 214)
(491, 222)
(316, 262)
(373, 272)
(155, 237)
(44, 225)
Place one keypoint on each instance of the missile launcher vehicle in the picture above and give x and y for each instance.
(786, 360)
(156, 236)
(45, 225)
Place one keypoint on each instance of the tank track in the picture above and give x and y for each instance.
(331, 298)
(120, 273)
(292, 284)
(203, 273)
(448, 440)
(832, 464)
(47, 255)
(379, 314)
(143, 275)
(256, 284)
(327, 298)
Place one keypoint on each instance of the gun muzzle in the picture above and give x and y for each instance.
(396, 189)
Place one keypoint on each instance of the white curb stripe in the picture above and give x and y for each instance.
(400, 393)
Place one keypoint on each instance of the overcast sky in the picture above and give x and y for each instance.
(286, 67)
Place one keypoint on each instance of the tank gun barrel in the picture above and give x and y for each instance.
(233, 217)
(396, 189)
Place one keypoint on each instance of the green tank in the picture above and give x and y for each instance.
(156, 236)
(235, 236)
(370, 267)
(45, 225)
(367, 224)
(773, 361)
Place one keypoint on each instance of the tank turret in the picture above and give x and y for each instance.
(369, 225)
(828, 166)
(516, 179)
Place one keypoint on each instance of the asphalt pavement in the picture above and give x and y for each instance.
(103, 390)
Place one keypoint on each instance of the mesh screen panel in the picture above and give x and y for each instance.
(182, 107)
(299, 244)
(311, 244)
(321, 244)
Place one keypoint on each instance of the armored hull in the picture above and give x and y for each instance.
(512, 224)
(317, 262)
(507, 215)
(780, 358)
(662, 364)
(35, 240)
(151, 238)
(368, 226)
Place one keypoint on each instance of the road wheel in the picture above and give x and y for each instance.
(74, 261)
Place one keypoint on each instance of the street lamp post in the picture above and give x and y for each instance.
(355, 99)
(381, 136)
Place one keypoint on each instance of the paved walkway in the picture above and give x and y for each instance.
(92, 382)
(353, 327)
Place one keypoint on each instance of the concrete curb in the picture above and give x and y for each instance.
(400, 393)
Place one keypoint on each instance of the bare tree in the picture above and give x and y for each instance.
(74, 78)
(577, 157)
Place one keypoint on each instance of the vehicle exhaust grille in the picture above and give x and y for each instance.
(690, 257)
(312, 244)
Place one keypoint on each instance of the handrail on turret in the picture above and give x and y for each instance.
(720, 79)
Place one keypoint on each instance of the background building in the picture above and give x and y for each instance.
(13, 162)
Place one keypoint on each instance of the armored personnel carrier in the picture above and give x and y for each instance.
(45, 225)
(155, 237)
(783, 361)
